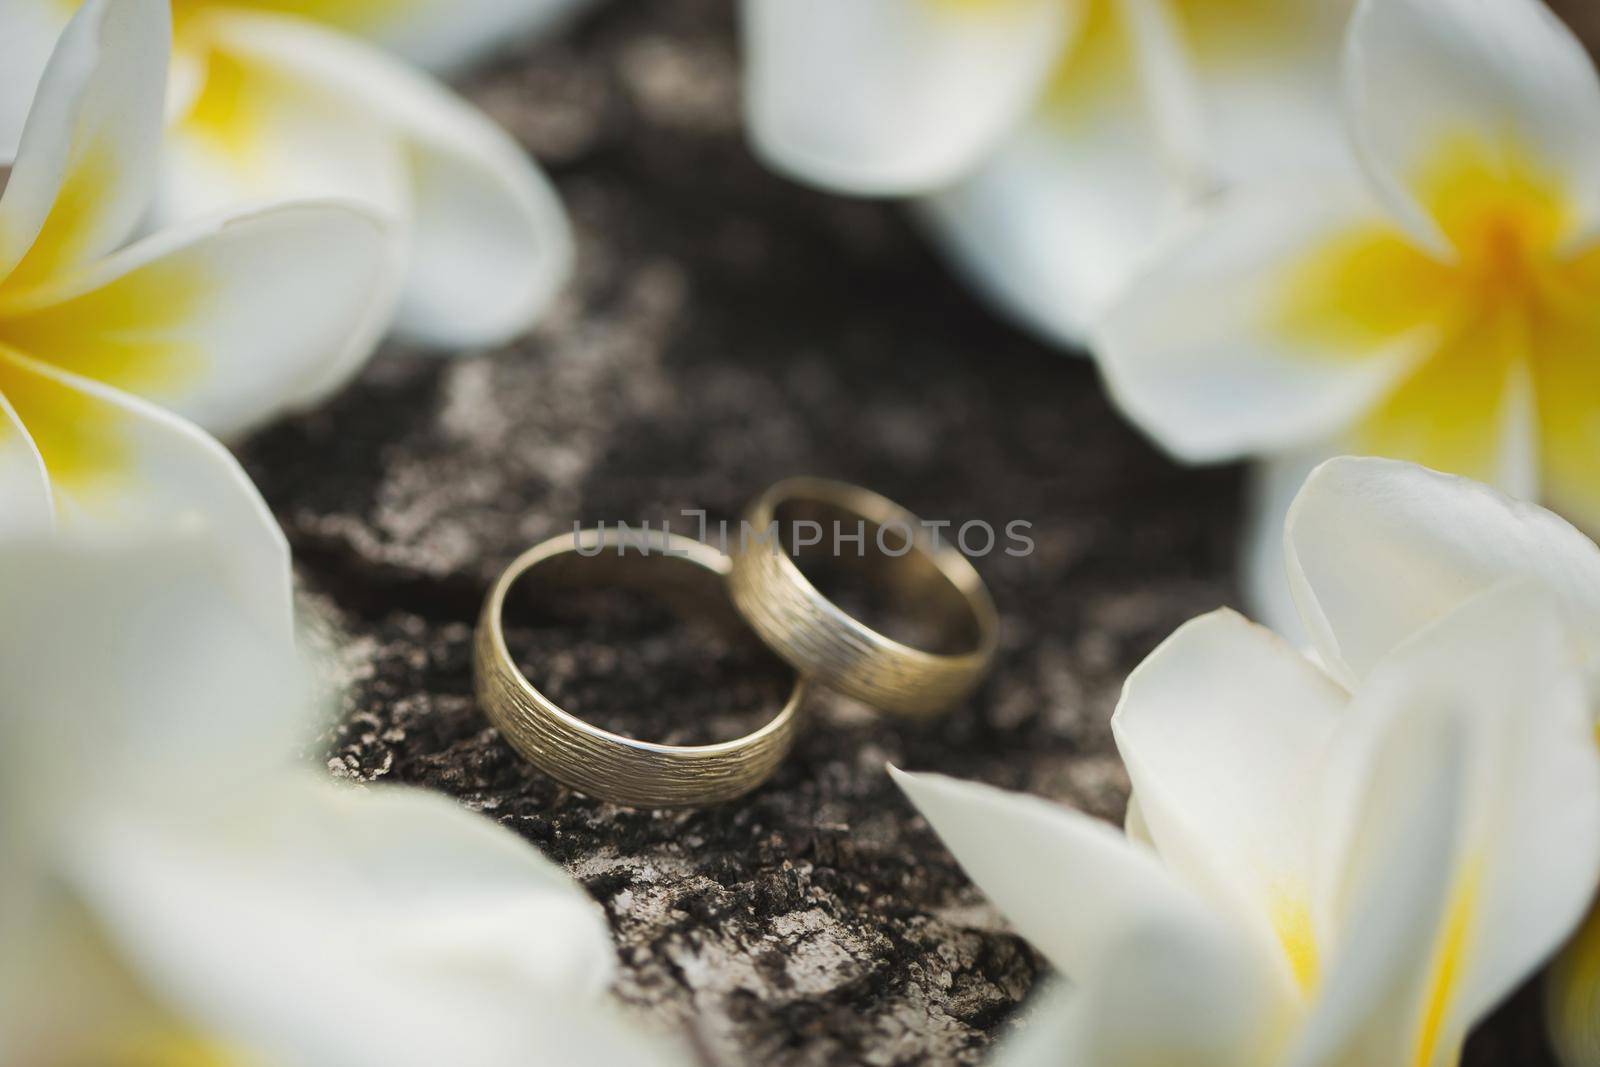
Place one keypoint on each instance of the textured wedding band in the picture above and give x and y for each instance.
(598, 762)
(829, 646)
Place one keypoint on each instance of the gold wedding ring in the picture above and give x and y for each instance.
(598, 762)
(930, 581)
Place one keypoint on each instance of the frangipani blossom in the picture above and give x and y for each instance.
(1440, 304)
(175, 890)
(272, 99)
(1315, 876)
(1377, 550)
(226, 320)
(1055, 141)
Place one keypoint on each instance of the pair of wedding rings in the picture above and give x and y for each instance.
(761, 582)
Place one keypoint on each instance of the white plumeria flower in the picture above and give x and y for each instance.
(1377, 550)
(280, 98)
(175, 890)
(226, 320)
(1438, 303)
(1055, 141)
(1318, 876)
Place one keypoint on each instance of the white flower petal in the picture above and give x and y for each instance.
(1145, 1007)
(24, 486)
(31, 29)
(1537, 787)
(1495, 689)
(1505, 76)
(1205, 349)
(86, 168)
(1052, 225)
(1168, 81)
(896, 96)
(131, 676)
(440, 34)
(118, 463)
(1272, 92)
(448, 34)
(137, 665)
(1379, 549)
(1119, 927)
(1027, 854)
(1132, 1020)
(489, 244)
(1241, 92)
(1273, 484)
(1221, 728)
(249, 130)
(1400, 796)
(282, 921)
(226, 320)
(1133, 823)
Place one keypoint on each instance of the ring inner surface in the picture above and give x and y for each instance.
(904, 597)
(648, 647)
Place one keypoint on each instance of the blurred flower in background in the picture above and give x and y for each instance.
(1441, 303)
(227, 321)
(176, 890)
(274, 99)
(1360, 876)
(1052, 143)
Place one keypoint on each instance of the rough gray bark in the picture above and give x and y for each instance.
(728, 328)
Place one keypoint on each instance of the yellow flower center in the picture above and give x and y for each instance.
(124, 333)
(128, 334)
(1506, 222)
(1502, 258)
(1510, 307)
